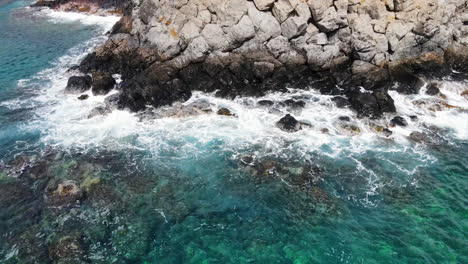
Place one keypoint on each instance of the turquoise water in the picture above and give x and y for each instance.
(178, 191)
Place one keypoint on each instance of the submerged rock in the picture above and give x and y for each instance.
(247, 159)
(420, 137)
(67, 250)
(348, 129)
(99, 110)
(78, 84)
(65, 193)
(103, 82)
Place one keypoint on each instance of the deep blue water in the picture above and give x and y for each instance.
(176, 190)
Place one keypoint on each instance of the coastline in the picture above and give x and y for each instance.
(164, 53)
(206, 174)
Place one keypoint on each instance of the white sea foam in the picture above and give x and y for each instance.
(64, 122)
(105, 22)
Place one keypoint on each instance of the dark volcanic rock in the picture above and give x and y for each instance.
(102, 83)
(83, 97)
(340, 101)
(294, 103)
(344, 118)
(384, 100)
(387, 132)
(371, 103)
(78, 84)
(433, 89)
(267, 103)
(132, 101)
(399, 121)
(288, 124)
(408, 83)
(365, 103)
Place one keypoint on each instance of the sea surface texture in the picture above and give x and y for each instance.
(124, 188)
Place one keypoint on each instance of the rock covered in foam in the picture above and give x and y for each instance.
(433, 88)
(289, 124)
(78, 84)
(398, 121)
(225, 112)
(83, 97)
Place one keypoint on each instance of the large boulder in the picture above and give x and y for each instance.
(103, 82)
(78, 84)
(365, 103)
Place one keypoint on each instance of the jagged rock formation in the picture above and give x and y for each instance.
(165, 49)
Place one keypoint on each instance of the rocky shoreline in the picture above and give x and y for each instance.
(355, 50)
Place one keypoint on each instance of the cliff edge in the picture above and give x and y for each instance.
(166, 49)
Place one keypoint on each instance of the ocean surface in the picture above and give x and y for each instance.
(217, 189)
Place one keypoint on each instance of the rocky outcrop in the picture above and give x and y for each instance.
(166, 49)
(78, 84)
(102, 83)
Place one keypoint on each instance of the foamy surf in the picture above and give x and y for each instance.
(64, 122)
(105, 22)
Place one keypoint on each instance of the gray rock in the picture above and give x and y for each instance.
(264, 4)
(266, 25)
(166, 41)
(215, 37)
(228, 12)
(278, 45)
(332, 20)
(190, 31)
(319, 39)
(243, 30)
(318, 8)
(281, 10)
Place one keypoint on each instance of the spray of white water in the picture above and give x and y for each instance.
(64, 120)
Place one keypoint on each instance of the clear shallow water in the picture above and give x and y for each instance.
(176, 190)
